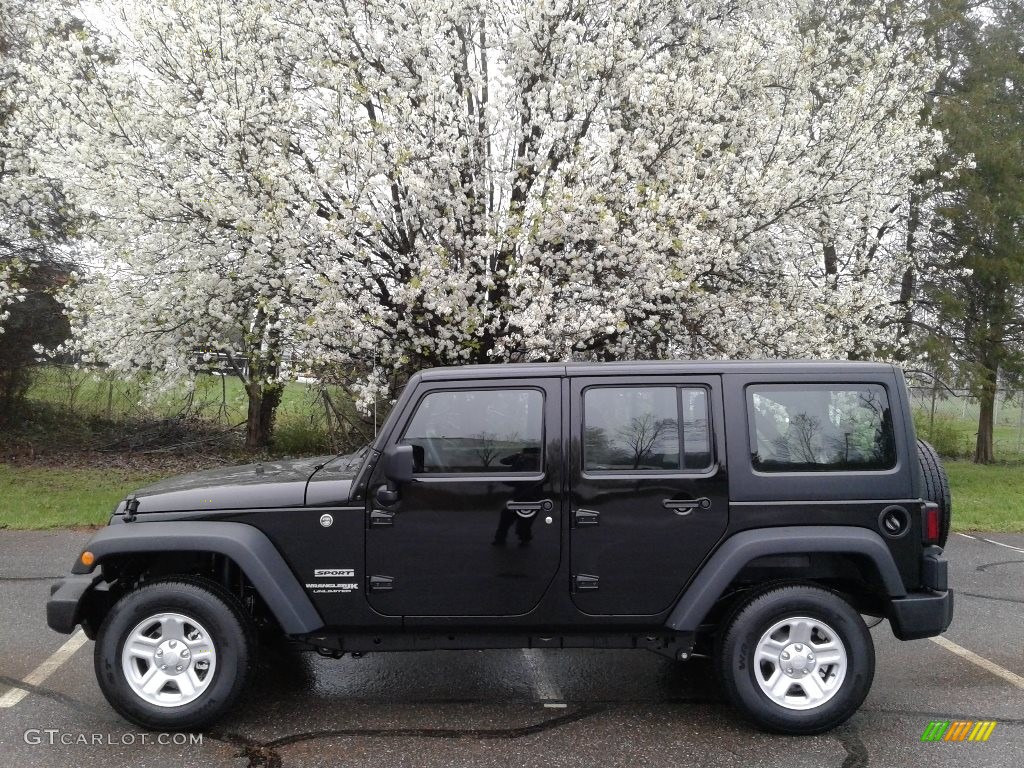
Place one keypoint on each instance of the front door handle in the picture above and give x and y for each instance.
(527, 509)
(684, 507)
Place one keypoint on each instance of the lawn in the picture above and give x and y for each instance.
(35, 497)
(985, 498)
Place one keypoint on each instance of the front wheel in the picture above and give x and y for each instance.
(796, 659)
(174, 654)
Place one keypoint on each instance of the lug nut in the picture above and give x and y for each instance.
(163, 666)
(178, 667)
(810, 657)
(184, 653)
(789, 671)
(159, 651)
(785, 654)
(798, 646)
(175, 642)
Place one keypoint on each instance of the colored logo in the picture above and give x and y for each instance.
(958, 730)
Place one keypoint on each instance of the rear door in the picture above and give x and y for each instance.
(477, 531)
(649, 491)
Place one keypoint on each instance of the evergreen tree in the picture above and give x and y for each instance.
(974, 290)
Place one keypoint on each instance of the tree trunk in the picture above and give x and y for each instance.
(263, 402)
(908, 285)
(983, 451)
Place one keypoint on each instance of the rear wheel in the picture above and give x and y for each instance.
(174, 654)
(796, 659)
(936, 486)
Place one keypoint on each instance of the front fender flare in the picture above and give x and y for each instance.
(729, 559)
(247, 546)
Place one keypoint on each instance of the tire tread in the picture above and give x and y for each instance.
(186, 718)
(936, 486)
(765, 713)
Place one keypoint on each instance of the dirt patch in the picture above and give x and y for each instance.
(48, 437)
(169, 463)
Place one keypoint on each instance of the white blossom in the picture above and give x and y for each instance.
(26, 200)
(391, 183)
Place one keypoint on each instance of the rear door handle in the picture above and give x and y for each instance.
(527, 509)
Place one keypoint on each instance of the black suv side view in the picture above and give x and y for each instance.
(751, 511)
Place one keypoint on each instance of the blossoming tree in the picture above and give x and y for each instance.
(395, 183)
(610, 178)
(33, 221)
(171, 125)
(27, 201)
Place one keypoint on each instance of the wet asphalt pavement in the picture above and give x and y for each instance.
(621, 708)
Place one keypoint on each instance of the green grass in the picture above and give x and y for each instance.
(35, 497)
(987, 497)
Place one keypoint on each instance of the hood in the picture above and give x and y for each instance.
(332, 484)
(249, 486)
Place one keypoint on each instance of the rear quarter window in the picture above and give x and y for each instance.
(820, 428)
(658, 428)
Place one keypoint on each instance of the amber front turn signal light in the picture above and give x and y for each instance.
(88, 558)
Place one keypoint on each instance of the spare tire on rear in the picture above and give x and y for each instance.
(936, 486)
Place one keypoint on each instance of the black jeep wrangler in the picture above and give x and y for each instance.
(752, 511)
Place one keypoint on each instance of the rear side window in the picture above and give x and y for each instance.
(820, 428)
(632, 429)
(483, 430)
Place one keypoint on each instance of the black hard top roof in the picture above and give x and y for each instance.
(649, 367)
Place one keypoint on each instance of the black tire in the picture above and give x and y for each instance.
(936, 486)
(737, 647)
(229, 627)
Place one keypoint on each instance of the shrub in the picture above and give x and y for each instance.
(949, 436)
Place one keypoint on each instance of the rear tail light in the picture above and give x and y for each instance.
(930, 527)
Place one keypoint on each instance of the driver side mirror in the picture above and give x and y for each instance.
(398, 463)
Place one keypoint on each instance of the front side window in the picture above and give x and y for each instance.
(638, 429)
(483, 431)
(820, 428)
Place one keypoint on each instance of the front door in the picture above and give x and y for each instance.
(649, 488)
(476, 532)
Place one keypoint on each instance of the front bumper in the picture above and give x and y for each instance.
(64, 608)
(921, 614)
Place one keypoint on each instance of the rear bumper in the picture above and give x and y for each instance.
(921, 614)
(63, 610)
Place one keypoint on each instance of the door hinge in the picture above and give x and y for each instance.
(582, 518)
(382, 583)
(583, 582)
(380, 518)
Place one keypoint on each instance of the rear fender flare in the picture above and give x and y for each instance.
(731, 557)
